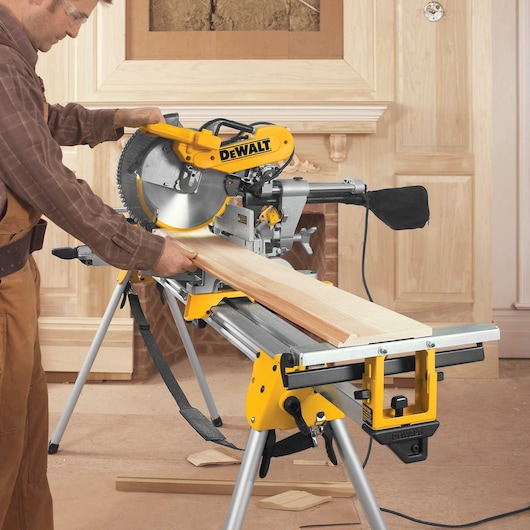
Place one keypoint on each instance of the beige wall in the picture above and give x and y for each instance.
(507, 257)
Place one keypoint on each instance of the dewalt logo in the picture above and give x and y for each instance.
(245, 150)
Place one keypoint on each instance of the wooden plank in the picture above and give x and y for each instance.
(332, 314)
(93, 377)
(213, 457)
(302, 462)
(226, 487)
(293, 501)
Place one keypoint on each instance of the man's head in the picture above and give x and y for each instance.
(46, 22)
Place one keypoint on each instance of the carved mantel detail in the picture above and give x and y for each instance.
(337, 143)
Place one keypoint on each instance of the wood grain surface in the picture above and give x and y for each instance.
(336, 316)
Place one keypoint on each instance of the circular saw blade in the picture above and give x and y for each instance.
(159, 190)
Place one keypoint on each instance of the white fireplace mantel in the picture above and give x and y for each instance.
(322, 119)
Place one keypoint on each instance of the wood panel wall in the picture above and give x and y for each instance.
(409, 103)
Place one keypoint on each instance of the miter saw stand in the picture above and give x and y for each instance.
(308, 386)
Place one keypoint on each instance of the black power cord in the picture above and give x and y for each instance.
(369, 450)
(465, 525)
(363, 257)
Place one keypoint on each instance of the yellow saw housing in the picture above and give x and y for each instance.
(204, 150)
(176, 178)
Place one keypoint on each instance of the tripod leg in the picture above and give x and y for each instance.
(53, 446)
(192, 356)
(357, 476)
(245, 480)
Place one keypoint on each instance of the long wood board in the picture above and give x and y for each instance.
(336, 316)
(226, 487)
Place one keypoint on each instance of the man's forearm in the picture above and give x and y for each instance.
(137, 117)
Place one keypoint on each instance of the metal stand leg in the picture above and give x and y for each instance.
(357, 476)
(245, 480)
(53, 446)
(192, 356)
(249, 469)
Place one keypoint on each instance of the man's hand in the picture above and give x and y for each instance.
(137, 117)
(175, 258)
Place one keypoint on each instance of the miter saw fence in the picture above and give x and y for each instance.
(182, 179)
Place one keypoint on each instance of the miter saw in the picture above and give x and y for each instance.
(182, 179)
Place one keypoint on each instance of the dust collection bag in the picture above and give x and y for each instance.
(400, 208)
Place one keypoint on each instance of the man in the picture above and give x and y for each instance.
(33, 181)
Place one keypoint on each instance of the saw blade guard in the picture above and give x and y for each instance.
(159, 190)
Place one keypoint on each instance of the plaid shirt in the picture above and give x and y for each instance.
(31, 168)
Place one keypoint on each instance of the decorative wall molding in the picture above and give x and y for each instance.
(282, 91)
(300, 119)
(523, 258)
(296, 166)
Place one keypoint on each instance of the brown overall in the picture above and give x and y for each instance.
(25, 499)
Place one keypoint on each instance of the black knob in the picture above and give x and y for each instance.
(398, 403)
(362, 394)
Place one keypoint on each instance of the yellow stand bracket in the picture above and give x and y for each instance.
(266, 399)
(199, 305)
(424, 409)
(404, 428)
